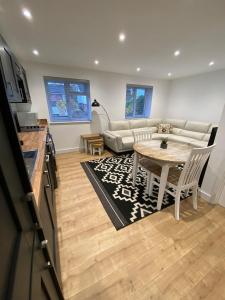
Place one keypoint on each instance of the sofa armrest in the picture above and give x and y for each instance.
(109, 135)
(113, 141)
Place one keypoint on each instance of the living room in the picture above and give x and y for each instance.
(114, 135)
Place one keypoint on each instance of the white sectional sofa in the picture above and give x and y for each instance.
(120, 136)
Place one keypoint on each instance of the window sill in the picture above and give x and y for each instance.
(69, 123)
(134, 118)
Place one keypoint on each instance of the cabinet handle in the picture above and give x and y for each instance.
(47, 158)
(44, 243)
(49, 265)
(47, 173)
(47, 186)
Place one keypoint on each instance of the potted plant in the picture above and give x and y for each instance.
(164, 144)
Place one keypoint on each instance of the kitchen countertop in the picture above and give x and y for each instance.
(35, 140)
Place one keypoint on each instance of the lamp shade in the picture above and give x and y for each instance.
(95, 103)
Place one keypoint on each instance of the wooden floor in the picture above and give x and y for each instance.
(155, 258)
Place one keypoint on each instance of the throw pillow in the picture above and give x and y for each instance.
(164, 128)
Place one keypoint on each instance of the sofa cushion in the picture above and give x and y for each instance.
(119, 125)
(197, 126)
(121, 133)
(187, 140)
(159, 136)
(179, 139)
(153, 122)
(206, 137)
(191, 134)
(140, 123)
(176, 131)
(198, 144)
(164, 128)
(176, 123)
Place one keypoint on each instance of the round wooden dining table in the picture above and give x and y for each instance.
(175, 154)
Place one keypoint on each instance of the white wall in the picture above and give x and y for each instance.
(213, 187)
(199, 97)
(108, 88)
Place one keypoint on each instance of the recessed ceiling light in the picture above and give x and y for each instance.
(122, 37)
(138, 69)
(27, 14)
(177, 53)
(169, 74)
(96, 62)
(211, 63)
(35, 52)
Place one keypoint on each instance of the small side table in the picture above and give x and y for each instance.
(87, 137)
(94, 141)
(97, 147)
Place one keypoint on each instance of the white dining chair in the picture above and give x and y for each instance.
(141, 136)
(182, 179)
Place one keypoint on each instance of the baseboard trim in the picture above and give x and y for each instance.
(67, 150)
(204, 195)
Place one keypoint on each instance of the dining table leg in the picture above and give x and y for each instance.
(162, 185)
(135, 167)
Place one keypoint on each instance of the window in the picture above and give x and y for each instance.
(138, 101)
(68, 99)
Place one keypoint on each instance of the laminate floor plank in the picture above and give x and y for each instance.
(154, 258)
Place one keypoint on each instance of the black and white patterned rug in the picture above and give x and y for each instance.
(111, 178)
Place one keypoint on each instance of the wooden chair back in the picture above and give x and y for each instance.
(193, 167)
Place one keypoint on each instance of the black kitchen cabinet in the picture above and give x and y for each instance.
(27, 266)
(51, 167)
(42, 286)
(7, 67)
(47, 212)
(21, 79)
(25, 84)
(48, 207)
(14, 75)
(15, 251)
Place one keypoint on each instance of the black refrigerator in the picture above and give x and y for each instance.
(26, 268)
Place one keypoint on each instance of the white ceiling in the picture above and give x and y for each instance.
(76, 32)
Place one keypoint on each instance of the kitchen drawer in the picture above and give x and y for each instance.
(44, 282)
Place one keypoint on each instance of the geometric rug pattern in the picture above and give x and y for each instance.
(124, 203)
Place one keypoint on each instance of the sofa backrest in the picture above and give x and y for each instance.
(192, 129)
(139, 123)
(191, 134)
(153, 122)
(197, 126)
(176, 123)
(196, 130)
(119, 125)
(133, 124)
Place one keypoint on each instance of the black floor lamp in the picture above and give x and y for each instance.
(95, 103)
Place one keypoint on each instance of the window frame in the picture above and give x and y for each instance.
(147, 106)
(67, 81)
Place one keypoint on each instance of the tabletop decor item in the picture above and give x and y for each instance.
(164, 144)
